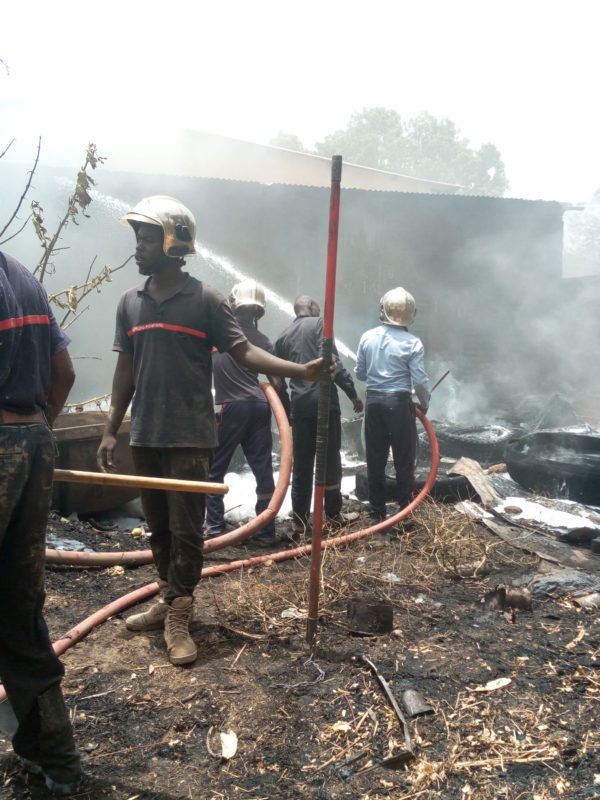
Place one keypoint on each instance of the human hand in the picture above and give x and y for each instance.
(312, 370)
(104, 456)
(357, 405)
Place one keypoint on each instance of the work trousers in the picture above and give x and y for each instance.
(246, 423)
(390, 422)
(28, 665)
(176, 519)
(304, 433)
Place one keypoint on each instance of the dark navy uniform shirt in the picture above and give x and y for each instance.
(232, 380)
(171, 343)
(29, 337)
(301, 342)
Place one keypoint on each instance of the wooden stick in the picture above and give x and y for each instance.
(139, 481)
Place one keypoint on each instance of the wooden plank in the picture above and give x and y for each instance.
(139, 481)
(474, 473)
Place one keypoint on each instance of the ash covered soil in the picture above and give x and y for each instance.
(306, 727)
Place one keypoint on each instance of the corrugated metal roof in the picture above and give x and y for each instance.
(205, 155)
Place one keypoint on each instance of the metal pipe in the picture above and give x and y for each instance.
(324, 400)
(437, 383)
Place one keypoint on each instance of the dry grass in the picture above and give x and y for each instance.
(439, 544)
(477, 737)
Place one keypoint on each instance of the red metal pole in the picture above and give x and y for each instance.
(324, 400)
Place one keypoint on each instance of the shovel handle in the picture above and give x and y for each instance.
(392, 699)
(139, 481)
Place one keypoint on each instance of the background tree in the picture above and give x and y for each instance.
(288, 140)
(422, 147)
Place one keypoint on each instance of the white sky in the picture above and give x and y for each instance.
(522, 74)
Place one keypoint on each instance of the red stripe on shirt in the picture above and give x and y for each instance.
(164, 326)
(19, 322)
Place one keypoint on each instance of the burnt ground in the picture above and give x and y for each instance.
(305, 729)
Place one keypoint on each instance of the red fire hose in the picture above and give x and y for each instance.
(138, 557)
(145, 592)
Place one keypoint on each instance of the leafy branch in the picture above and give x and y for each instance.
(78, 202)
(70, 299)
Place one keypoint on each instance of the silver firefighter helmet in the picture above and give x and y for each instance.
(248, 293)
(397, 307)
(177, 222)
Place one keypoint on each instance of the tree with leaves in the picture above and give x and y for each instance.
(422, 147)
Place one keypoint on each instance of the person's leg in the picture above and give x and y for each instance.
(403, 431)
(304, 434)
(257, 445)
(333, 479)
(29, 669)
(186, 519)
(377, 445)
(230, 427)
(148, 461)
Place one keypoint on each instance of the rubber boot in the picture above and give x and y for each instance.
(180, 645)
(45, 745)
(154, 618)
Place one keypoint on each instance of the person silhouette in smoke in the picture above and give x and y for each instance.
(166, 330)
(390, 360)
(301, 340)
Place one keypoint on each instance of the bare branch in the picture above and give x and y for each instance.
(31, 174)
(87, 277)
(7, 148)
(71, 321)
(8, 238)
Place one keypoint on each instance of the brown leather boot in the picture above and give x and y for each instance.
(180, 645)
(153, 619)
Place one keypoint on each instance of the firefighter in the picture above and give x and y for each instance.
(244, 417)
(390, 360)
(36, 375)
(299, 341)
(166, 329)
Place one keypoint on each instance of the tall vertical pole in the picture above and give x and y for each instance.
(324, 401)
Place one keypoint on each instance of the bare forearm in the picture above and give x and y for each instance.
(62, 378)
(122, 392)
(258, 360)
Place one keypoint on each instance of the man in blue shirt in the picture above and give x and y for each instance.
(390, 360)
(36, 376)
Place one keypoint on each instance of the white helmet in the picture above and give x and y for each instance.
(397, 307)
(248, 293)
(177, 222)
